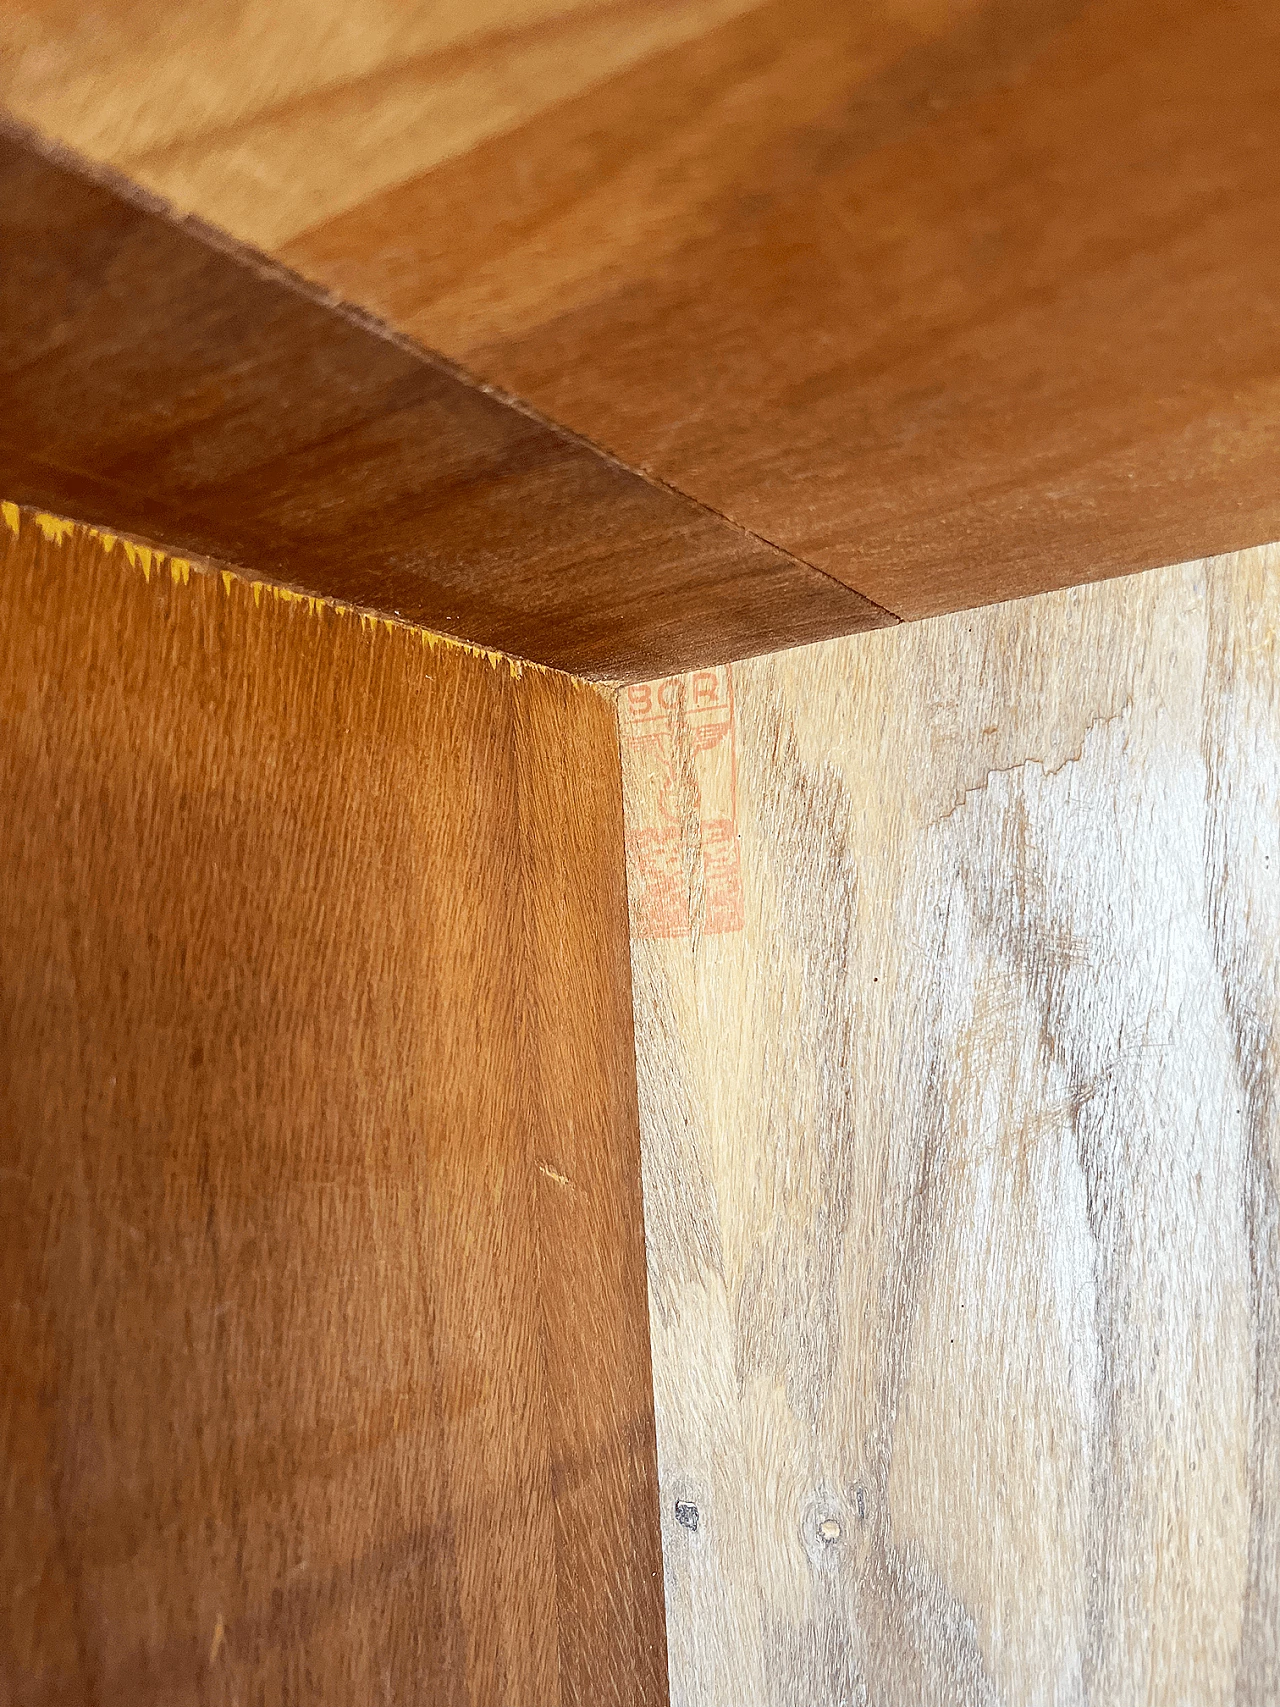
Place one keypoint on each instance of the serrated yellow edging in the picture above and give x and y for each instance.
(148, 558)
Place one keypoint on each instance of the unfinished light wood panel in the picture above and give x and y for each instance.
(324, 1373)
(158, 382)
(962, 1160)
(953, 299)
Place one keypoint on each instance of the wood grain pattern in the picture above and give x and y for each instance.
(962, 1162)
(955, 300)
(240, 110)
(991, 318)
(158, 384)
(325, 1367)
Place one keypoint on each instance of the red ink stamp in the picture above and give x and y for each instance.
(680, 735)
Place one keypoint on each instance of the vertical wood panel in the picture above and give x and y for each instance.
(962, 1161)
(295, 1399)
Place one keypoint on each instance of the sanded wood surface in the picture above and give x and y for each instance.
(962, 1156)
(161, 384)
(953, 299)
(324, 1373)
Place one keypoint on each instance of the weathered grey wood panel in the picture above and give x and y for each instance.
(962, 1153)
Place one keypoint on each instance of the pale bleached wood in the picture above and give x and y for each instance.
(961, 1161)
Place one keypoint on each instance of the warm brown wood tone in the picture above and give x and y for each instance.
(159, 384)
(954, 299)
(962, 1154)
(324, 1373)
(955, 319)
(244, 108)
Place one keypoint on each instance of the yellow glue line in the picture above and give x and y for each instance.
(56, 529)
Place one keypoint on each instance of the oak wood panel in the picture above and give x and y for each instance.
(962, 1156)
(954, 299)
(325, 1369)
(159, 383)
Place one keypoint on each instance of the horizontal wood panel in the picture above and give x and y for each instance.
(991, 318)
(325, 1369)
(159, 383)
(962, 1154)
(955, 300)
(241, 110)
